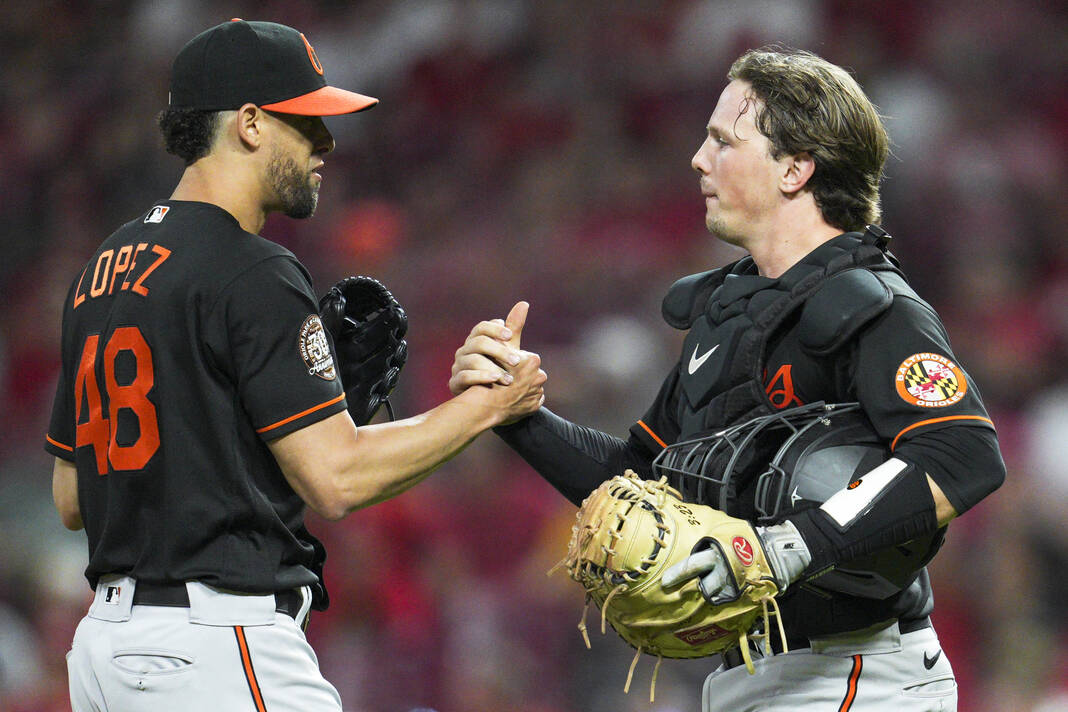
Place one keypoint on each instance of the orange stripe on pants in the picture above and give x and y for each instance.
(250, 673)
(851, 691)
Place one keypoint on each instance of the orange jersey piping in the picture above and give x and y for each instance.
(250, 673)
(301, 414)
(58, 444)
(655, 437)
(938, 420)
(851, 691)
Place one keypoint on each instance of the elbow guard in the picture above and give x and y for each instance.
(882, 510)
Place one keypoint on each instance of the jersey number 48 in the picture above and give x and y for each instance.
(100, 431)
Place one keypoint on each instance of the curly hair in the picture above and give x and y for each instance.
(188, 133)
(815, 107)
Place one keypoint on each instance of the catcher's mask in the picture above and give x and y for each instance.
(713, 468)
(797, 458)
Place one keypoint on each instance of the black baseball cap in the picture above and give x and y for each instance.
(265, 63)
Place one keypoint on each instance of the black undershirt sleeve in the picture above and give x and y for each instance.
(572, 458)
(964, 461)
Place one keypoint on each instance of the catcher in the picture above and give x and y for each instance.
(804, 456)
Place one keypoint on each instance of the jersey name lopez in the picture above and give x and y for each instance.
(124, 261)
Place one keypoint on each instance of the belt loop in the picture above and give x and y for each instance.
(733, 658)
(884, 637)
(113, 600)
(215, 607)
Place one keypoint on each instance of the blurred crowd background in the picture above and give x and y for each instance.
(540, 151)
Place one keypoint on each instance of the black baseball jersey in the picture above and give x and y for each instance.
(897, 364)
(187, 344)
(841, 325)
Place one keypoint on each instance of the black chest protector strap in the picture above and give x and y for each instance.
(732, 312)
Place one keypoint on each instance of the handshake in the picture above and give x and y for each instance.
(368, 325)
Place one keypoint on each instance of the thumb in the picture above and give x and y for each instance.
(515, 321)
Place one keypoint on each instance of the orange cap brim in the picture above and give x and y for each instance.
(328, 101)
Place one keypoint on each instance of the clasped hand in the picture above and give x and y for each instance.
(491, 357)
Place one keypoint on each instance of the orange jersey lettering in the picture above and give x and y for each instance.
(780, 388)
(163, 253)
(109, 265)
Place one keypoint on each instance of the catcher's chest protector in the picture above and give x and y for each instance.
(731, 314)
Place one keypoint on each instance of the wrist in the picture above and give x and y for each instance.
(482, 411)
(786, 551)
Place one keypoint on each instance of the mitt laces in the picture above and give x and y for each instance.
(603, 574)
(769, 607)
(604, 629)
(630, 674)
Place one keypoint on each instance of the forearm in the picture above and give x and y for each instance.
(389, 458)
(946, 472)
(65, 494)
(572, 458)
(893, 504)
(337, 468)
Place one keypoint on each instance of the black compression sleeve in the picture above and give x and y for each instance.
(574, 459)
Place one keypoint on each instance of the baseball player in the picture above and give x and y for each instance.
(817, 311)
(201, 407)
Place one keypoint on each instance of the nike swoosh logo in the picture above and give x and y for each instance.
(794, 496)
(696, 361)
(929, 662)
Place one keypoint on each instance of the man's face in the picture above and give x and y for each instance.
(294, 158)
(739, 178)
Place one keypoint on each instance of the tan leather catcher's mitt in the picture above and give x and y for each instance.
(628, 531)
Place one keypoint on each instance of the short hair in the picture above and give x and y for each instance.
(188, 133)
(815, 107)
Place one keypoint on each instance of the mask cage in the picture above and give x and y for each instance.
(771, 486)
(708, 469)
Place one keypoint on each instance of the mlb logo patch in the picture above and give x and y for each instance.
(157, 214)
(111, 597)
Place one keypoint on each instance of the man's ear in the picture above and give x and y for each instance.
(249, 126)
(796, 172)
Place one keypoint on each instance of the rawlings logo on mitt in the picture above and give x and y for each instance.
(628, 532)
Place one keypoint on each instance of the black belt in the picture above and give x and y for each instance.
(733, 657)
(289, 601)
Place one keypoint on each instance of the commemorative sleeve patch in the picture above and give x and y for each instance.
(930, 380)
(315, 349)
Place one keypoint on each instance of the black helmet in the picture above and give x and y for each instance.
(797, 459)
(821, 456)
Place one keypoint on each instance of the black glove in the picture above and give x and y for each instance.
(367, 325)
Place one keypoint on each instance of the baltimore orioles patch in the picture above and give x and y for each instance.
(930, 381)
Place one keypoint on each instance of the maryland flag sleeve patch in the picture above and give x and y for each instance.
(929, 380)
